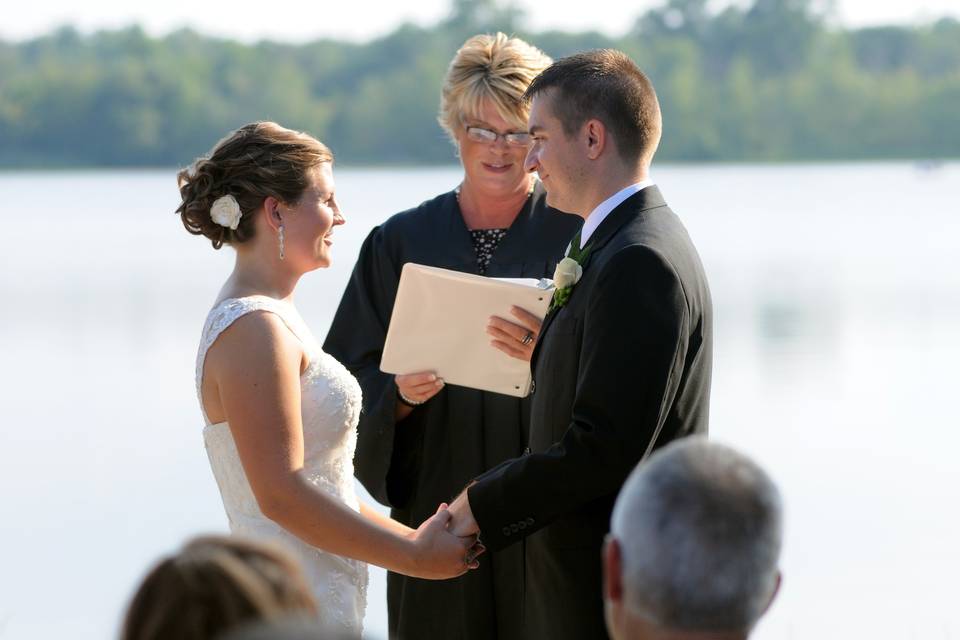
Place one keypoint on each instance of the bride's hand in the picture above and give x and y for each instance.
(439, 554)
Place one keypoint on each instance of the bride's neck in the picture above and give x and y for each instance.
(254, 275)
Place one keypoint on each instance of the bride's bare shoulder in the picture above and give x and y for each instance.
(259, 340)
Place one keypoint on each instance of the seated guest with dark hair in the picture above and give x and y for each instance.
(693, 548)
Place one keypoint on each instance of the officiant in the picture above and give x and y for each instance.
(420, 441)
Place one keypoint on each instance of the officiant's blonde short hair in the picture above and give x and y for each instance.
(495, 67)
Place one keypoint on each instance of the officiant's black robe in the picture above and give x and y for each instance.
(458, 434)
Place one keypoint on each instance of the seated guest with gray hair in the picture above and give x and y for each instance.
(693, 548)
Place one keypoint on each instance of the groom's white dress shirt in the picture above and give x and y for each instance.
(604, 208)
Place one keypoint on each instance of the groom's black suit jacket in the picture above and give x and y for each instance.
(622, 369)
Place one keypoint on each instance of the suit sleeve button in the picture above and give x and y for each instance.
(506, 531)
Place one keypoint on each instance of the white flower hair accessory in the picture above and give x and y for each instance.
(225, 211)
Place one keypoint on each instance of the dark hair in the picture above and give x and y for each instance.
(215, 584)
(604, 84)
(257, 160)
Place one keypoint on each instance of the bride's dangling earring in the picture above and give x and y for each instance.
(281, 241)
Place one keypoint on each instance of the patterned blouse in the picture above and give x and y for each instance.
(485, 242)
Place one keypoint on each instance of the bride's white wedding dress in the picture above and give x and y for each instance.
(330, 406)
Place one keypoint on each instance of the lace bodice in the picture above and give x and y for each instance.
(330, 410)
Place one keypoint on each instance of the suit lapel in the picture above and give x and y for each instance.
(543, 330)
(648, 198)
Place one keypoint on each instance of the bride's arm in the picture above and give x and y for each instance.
(370, 513)
(256, 365)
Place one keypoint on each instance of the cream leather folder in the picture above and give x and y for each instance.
(439, 324)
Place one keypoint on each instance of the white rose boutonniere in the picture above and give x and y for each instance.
(568, 273)
(225, 211)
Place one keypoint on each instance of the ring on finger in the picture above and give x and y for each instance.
(527, 338)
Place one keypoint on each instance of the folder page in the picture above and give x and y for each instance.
(439, 324)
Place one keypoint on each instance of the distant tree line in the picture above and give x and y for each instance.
(769, 82)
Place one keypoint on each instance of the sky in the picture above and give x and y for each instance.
(359, 20)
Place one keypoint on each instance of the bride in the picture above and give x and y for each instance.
(281, 414)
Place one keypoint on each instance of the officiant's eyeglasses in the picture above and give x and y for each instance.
(514, 139)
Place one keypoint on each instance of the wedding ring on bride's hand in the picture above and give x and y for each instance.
(527, 338)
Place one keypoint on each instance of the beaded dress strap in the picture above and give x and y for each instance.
(225, 313)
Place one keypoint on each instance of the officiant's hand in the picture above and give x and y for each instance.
(439, 553)
(516, 339)
(415, 389)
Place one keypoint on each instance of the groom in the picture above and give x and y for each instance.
(622, 367)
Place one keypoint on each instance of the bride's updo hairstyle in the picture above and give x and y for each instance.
(257, 160)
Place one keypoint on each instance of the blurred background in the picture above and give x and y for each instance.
(811, 148)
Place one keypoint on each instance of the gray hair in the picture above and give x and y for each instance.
(700, 530)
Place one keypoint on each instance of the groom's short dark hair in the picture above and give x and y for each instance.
(604, 84)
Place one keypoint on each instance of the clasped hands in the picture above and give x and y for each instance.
(447, 544)
(462, 522)
(438, 552)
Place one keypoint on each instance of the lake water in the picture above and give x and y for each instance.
(837, 298)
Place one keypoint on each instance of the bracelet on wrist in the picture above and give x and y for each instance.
(407, 401)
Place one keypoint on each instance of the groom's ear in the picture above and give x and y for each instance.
(595, 138)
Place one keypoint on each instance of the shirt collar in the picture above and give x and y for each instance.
(604, 208)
